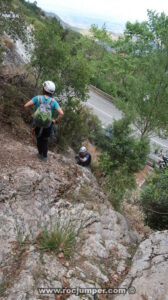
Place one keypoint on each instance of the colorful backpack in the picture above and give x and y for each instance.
(43, 114)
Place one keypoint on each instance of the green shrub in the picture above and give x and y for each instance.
(122, 155)
(60, 238)
(123, 148)
(77, 125)
(154, 200)
(117, 183)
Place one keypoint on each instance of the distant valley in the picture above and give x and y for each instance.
(82, 24)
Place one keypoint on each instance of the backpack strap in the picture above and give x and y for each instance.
(51, 101)
(39, 100)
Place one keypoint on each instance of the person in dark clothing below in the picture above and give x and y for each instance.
(43, 117)
(84, 157)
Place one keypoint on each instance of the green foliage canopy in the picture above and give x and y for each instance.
(122, 155)
(77, 125)
(53, 57)
(12, 20)
(154, 200)
(134, 70)
(123, 148)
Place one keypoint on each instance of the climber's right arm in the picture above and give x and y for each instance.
(28, 105)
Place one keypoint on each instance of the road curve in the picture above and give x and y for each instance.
(107, 112)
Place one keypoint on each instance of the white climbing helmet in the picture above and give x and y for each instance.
(82, 149)
(49, 86)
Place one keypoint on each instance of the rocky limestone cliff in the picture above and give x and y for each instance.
(17, 53)
(34, 194)
(149, 271)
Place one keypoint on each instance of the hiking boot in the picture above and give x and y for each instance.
(39, 156)
(45, 158)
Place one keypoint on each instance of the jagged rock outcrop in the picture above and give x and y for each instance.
(16, 52)
(149, 271)
(34, 194)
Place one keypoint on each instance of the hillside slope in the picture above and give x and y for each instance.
(36, 197)
(34, 194)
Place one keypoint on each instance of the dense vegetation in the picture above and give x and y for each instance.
(78, 125)
(154, 200)
(132, 69)
(53, 55)
(122, 155)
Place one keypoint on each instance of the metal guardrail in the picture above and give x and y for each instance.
(101, 93)
(154, 158)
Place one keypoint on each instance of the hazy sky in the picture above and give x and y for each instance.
(120, 10)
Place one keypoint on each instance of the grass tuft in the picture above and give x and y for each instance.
(59, 239)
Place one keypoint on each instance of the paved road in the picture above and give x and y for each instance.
(107, 113)
(105, 110)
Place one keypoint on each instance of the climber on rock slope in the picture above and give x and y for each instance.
(43, 117)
